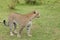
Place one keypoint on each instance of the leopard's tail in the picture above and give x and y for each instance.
(5, 23)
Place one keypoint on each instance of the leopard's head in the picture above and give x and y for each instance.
(37, 14)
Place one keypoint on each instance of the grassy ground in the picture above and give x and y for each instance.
(47, 27)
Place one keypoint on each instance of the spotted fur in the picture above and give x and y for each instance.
(22, 20)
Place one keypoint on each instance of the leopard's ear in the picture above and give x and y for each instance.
(34, 12)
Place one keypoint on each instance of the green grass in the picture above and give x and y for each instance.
(47, 27)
